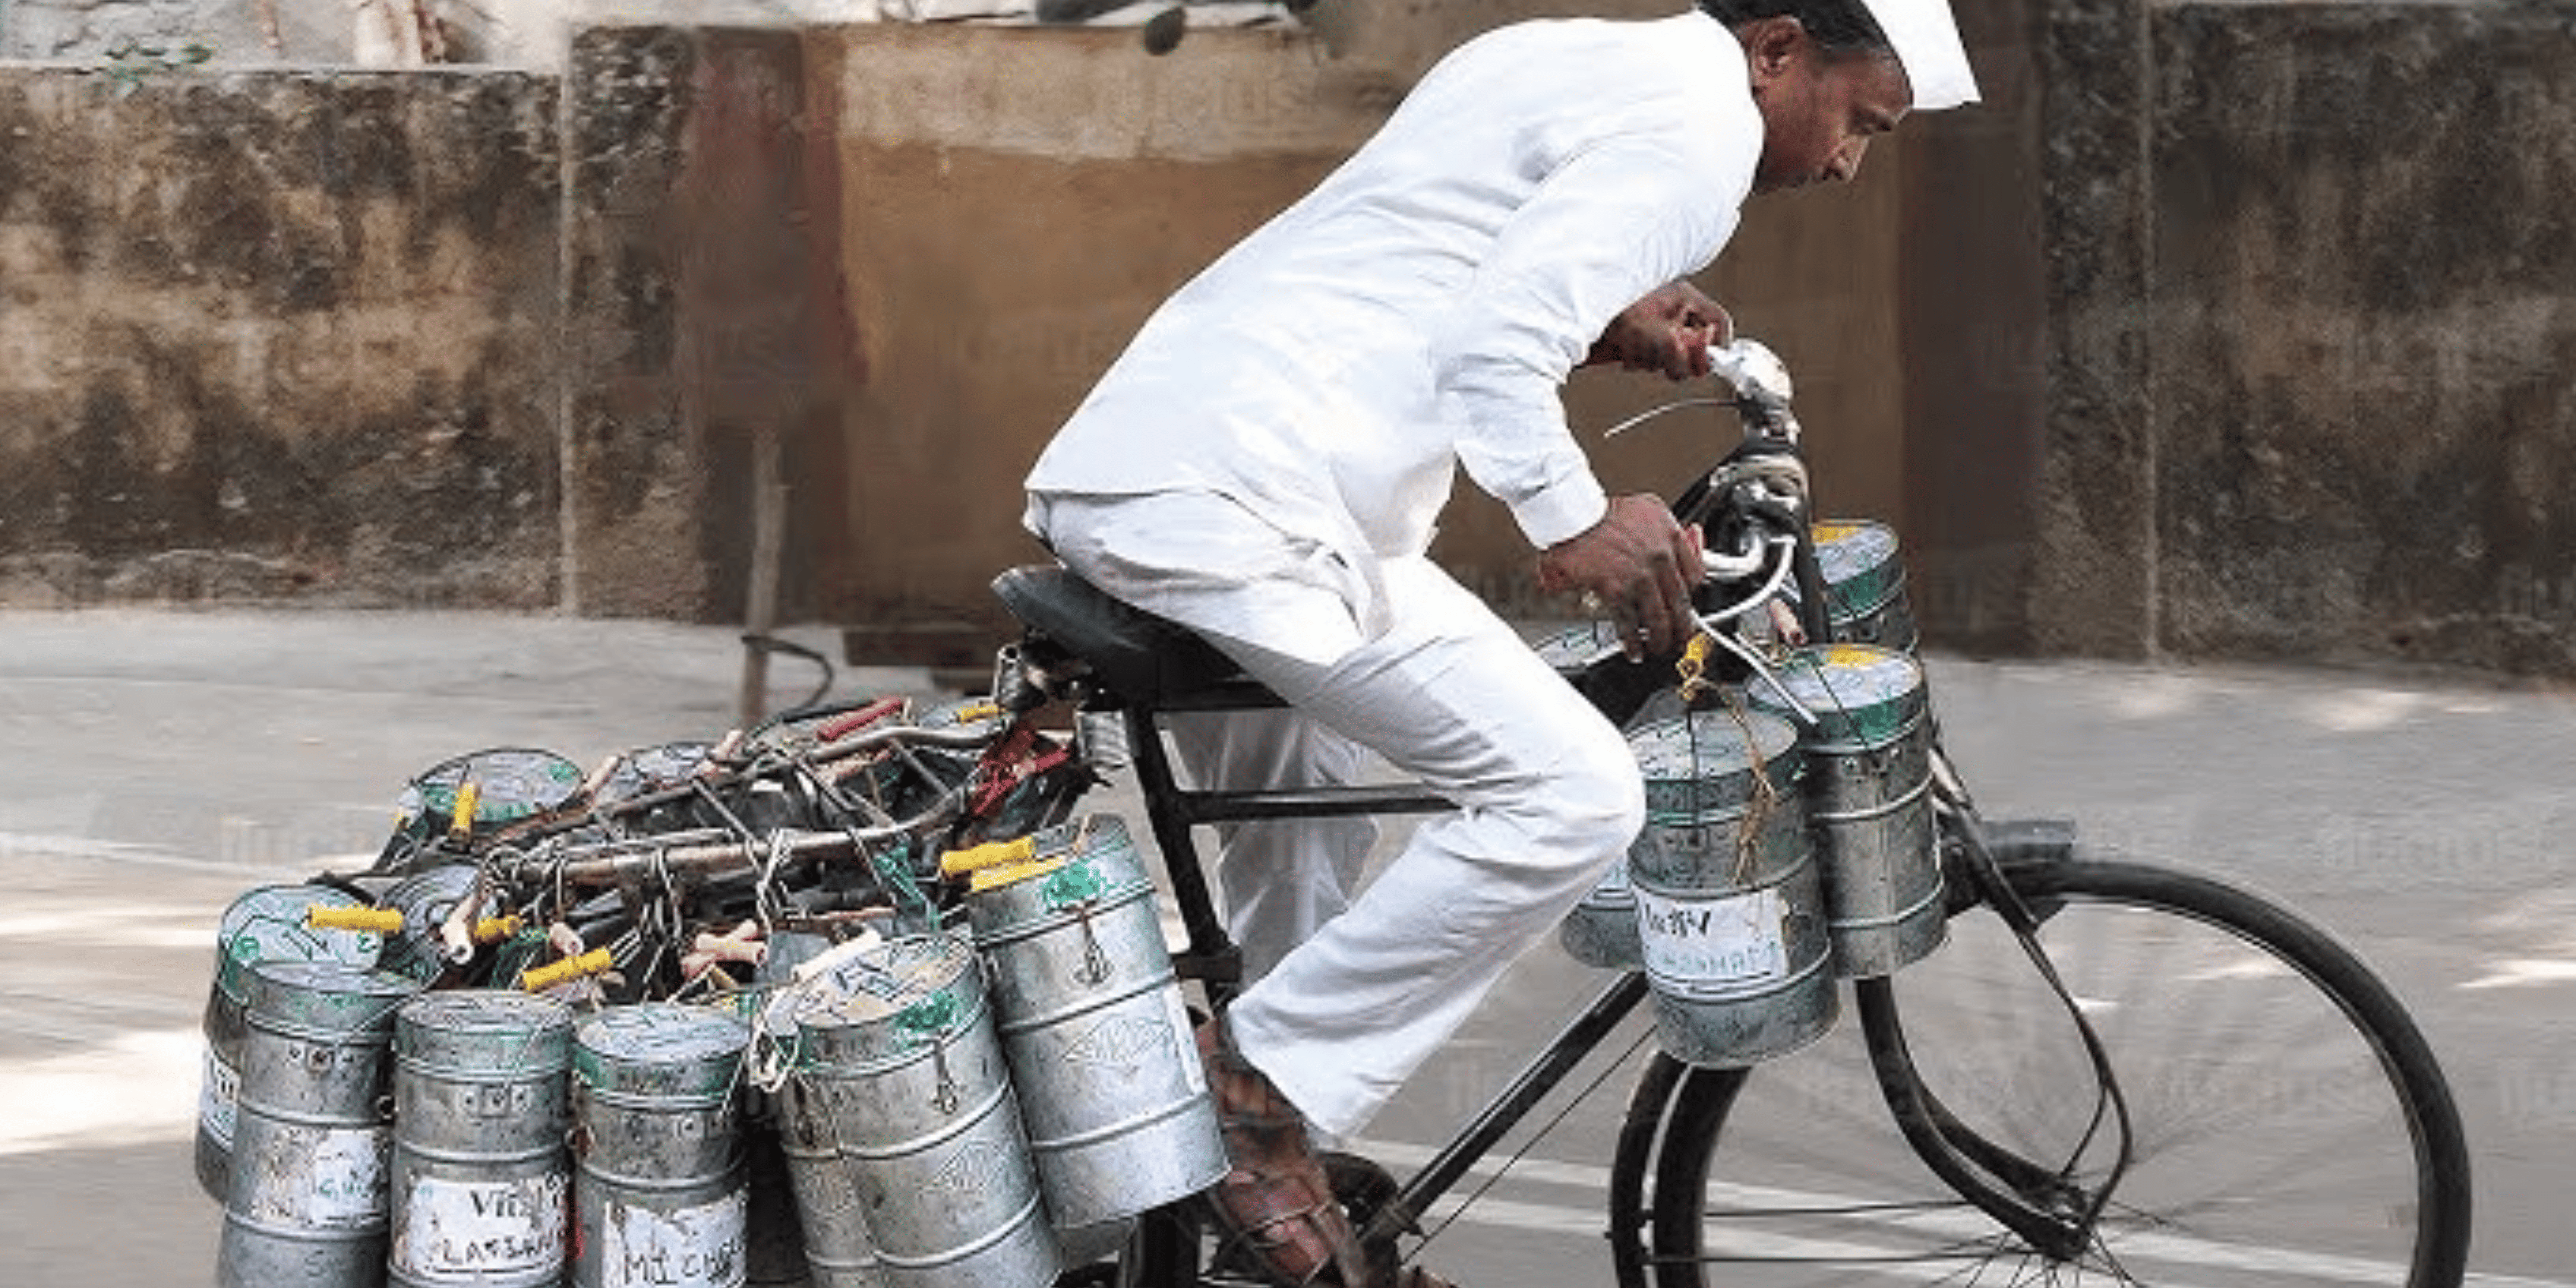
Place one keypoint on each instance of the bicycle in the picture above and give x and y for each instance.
(2019, 898)
(835, 817)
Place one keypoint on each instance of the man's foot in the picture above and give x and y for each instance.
(1276, 1205)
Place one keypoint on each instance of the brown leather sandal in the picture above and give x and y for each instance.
(1276, 1205)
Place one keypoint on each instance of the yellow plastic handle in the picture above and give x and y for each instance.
(1012, 874)
(492, 930)
(1695, 654)
(994, 854)
(590, 963)
(460, 820)
(322, 916)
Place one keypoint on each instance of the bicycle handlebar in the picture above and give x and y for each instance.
(1752, 506)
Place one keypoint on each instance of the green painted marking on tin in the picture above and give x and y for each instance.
(1075, 883)
(929, 1017)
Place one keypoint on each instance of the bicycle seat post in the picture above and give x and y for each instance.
(1211, 957)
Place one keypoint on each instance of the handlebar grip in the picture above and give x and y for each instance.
(994, 854)
(326, 917)
(594, 962)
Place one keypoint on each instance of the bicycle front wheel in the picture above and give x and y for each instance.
(2288, 1124)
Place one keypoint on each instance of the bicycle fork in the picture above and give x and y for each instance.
(2041, 1204)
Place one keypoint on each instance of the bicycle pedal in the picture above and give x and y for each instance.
(1365, 1189)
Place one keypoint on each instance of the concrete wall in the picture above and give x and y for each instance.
(536, 35)
(1015, 203)
(889, 258)
(1973, 311)
(703, 309)
(278, 336)
(2312, 289)
(2226, 330)
(1018, 201)
(523, 35)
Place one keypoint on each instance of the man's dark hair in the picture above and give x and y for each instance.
(1839, 26)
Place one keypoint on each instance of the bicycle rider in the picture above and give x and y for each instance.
(1266, 462)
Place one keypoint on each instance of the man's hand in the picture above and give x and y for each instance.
(1641, 565)
(1669, 331)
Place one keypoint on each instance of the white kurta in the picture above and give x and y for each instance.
(1420, 308)
(1266, 463)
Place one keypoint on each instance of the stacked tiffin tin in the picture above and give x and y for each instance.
(1006, 1100)
(968, 1106)
(1790, 837)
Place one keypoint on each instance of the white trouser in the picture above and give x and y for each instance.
(1282, 880)
(1355, 998)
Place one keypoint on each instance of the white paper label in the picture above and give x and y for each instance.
(697, 1247)
(320, 1179)
(1722, 945)
(470, 1231)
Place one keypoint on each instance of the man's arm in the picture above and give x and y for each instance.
(1598, 256)
(1617, 223)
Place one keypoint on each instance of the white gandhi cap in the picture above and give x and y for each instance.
(1927, 44)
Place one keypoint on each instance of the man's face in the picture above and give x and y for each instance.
(1819, 111)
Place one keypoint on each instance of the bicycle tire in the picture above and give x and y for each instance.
(1851, 1214)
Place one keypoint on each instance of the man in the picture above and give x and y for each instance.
(1266, 462)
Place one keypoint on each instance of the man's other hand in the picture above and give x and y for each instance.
(1640, 565)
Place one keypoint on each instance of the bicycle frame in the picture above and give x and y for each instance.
(1212, 958)
(2024, 1196)
(2033, 1200)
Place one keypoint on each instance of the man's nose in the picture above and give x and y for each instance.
(1846, 163)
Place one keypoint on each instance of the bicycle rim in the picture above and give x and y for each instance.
(2290, 1127)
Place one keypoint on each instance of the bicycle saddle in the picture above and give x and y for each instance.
(1144, 659)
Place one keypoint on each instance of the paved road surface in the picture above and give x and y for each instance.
(160, 763)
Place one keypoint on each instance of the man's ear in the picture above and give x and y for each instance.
(1772, 46)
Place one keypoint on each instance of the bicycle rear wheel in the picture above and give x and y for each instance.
(2290, 1126)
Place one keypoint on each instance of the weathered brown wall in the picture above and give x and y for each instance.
(1018, 202)
(1972, 295)
(2218, 330)
(412, 347)
(2365, 347)
(278, 336)
(703, 319)
(2310, 274)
